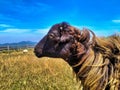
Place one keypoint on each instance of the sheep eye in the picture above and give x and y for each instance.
(51, 36)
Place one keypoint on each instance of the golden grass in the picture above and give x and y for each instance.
(20, 71)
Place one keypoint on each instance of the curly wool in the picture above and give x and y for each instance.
(99, 67)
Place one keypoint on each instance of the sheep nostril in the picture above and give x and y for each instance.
(38, 54)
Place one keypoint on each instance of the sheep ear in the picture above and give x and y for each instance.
(82, 36)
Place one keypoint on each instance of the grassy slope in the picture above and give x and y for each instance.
(26, 72)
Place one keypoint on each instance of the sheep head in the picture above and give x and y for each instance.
(63, 41)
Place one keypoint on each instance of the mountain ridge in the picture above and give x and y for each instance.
(22, 43)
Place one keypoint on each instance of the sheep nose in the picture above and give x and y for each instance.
(38, 53)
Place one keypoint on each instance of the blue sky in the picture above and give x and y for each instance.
(30, 20)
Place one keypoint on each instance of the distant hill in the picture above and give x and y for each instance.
(19, 44)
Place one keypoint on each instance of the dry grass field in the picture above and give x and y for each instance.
(20, 71)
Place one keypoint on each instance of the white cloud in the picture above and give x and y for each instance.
(15, 30)
(5, 25)
(105, 32)
(81, 27)
(42, 31)
(18, 30)
(116, 21)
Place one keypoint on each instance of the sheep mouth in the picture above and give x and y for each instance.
(38, 55)
(46, 54)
